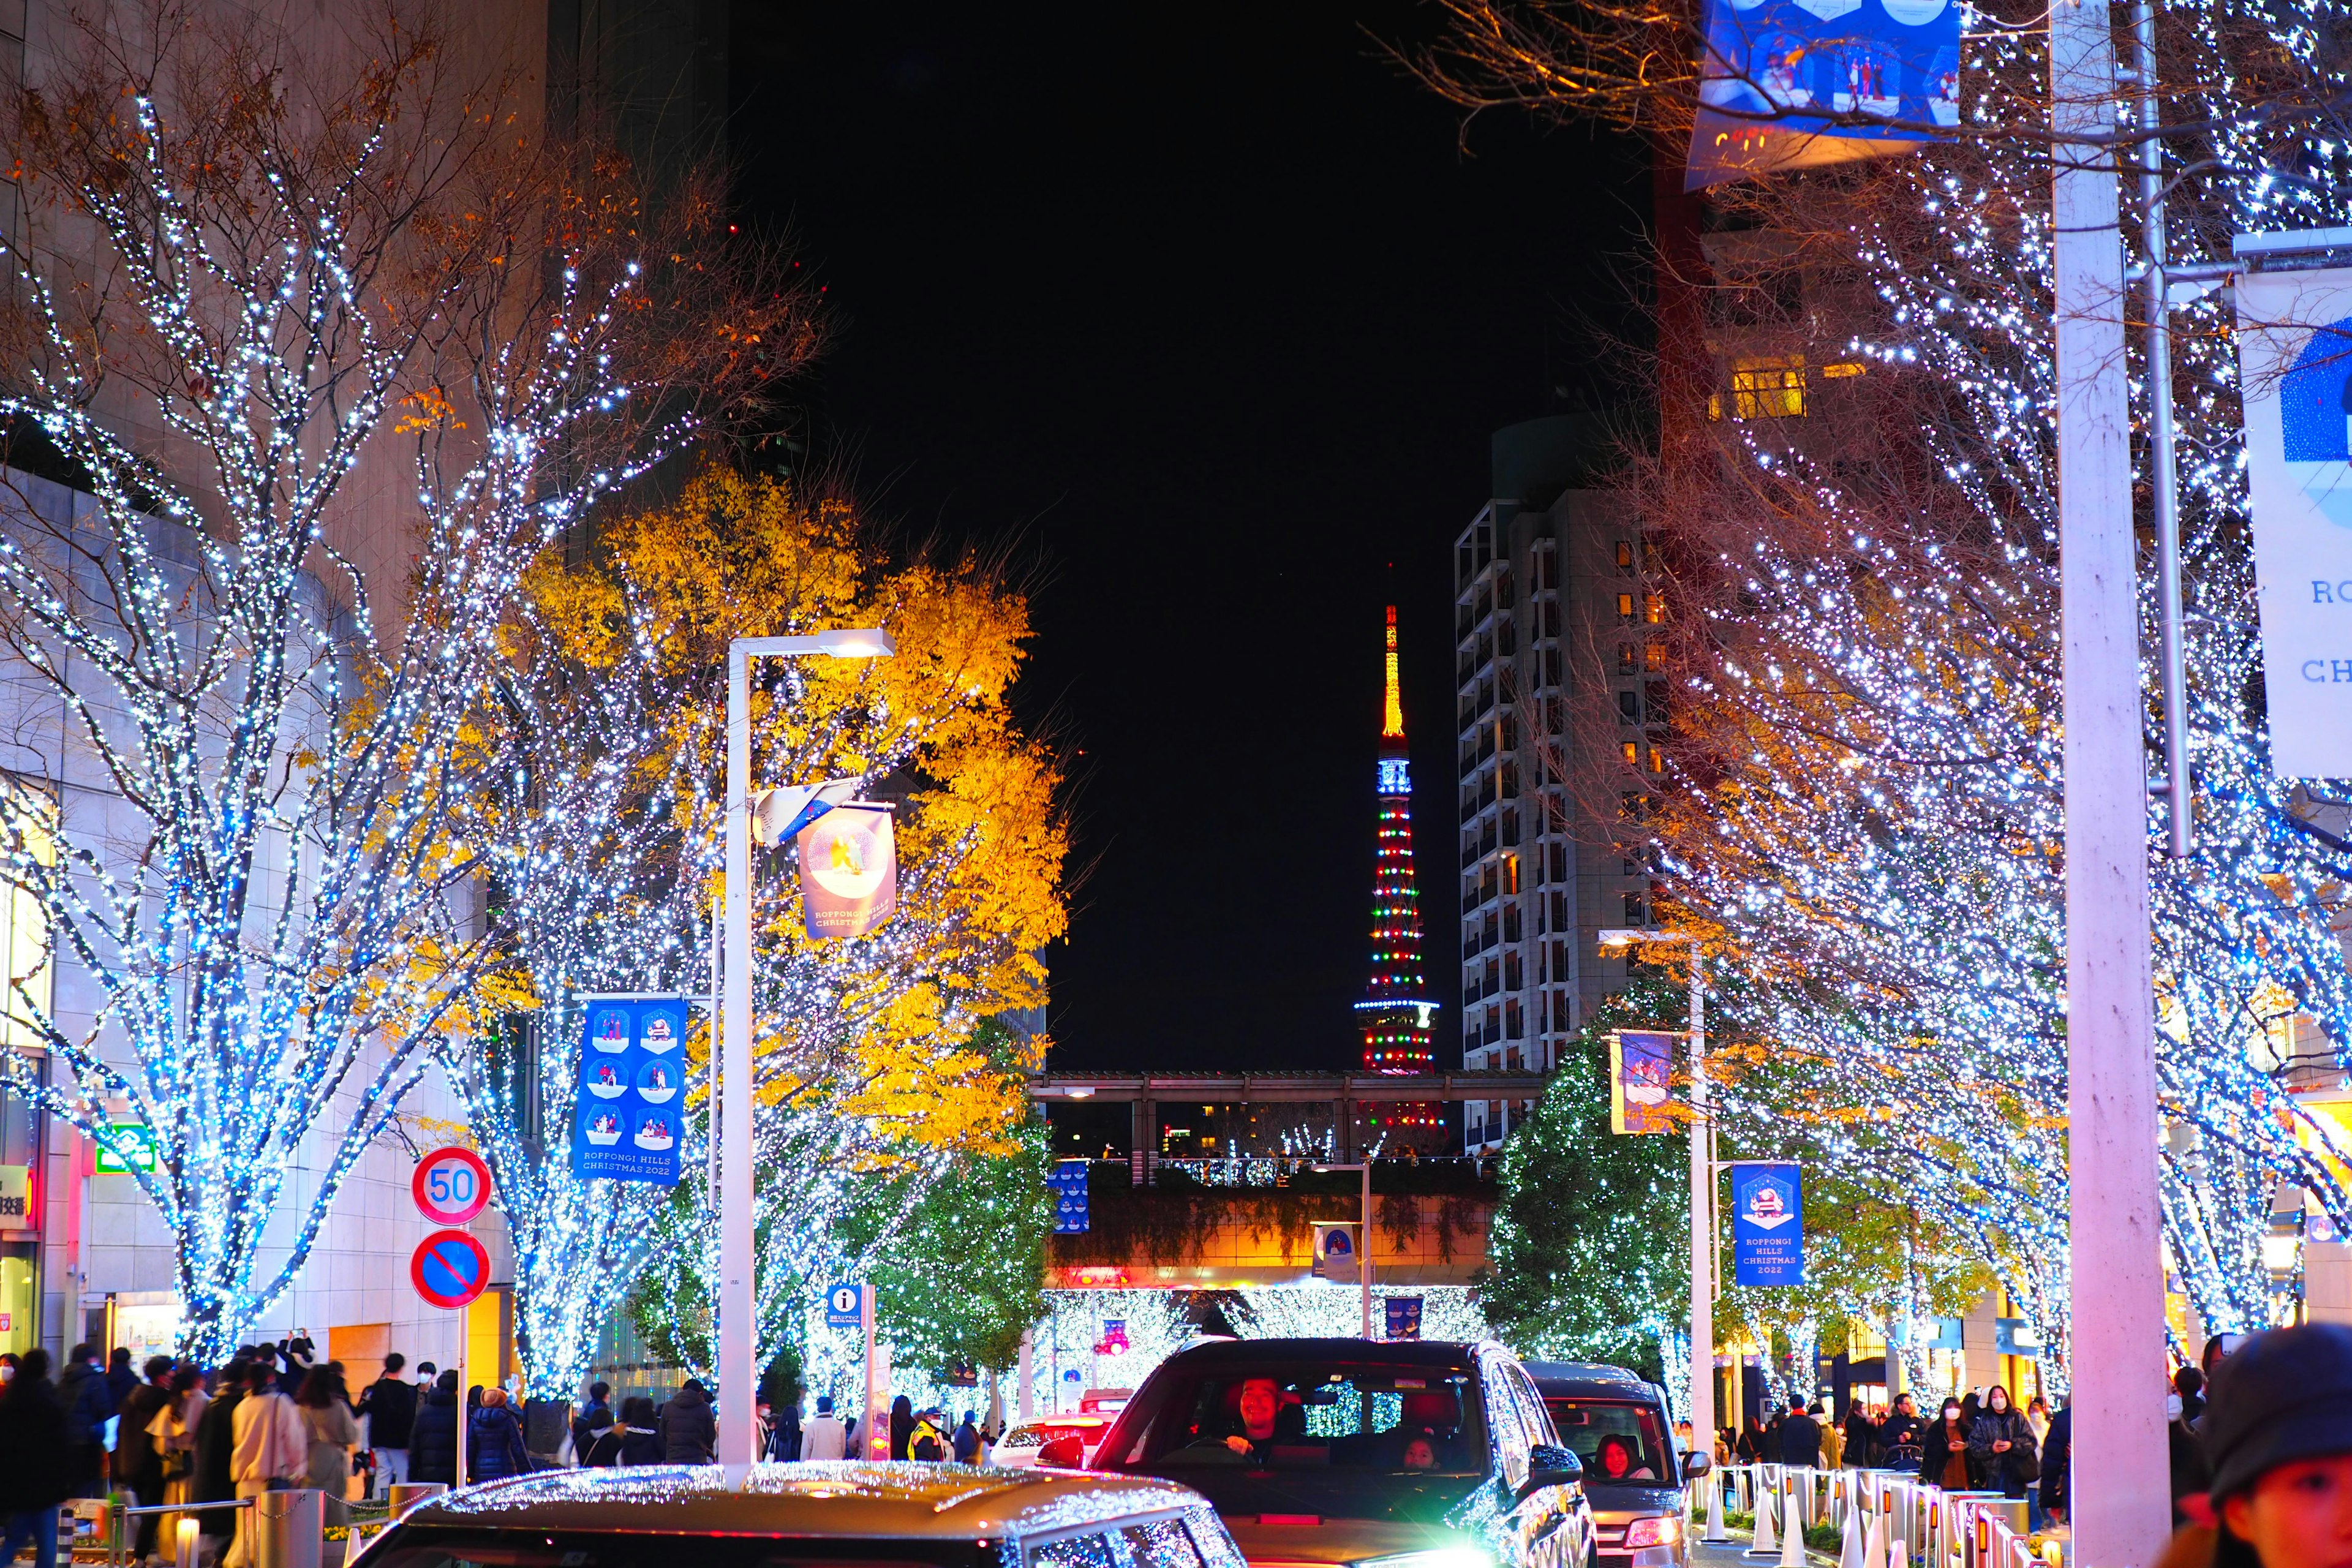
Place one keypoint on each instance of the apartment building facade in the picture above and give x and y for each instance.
(1555, 703)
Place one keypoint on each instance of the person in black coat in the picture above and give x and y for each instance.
(137, 1463)
(594, 1419)
(1800, 1438)
(2000, 1445)
(217, 1452)
(390, 1405)
(433, 1440)
(494, 1446)
(1900, 1434)
(631, 1440)
(1860, 1437)
(89, 1404)
(35, 1472)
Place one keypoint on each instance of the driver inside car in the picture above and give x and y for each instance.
(1616, 1461)
(1256, 1416)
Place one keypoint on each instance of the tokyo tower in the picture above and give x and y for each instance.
(1396, 1007)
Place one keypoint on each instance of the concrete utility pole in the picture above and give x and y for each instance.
(2121, 1505)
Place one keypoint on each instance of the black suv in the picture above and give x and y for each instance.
(1378, 1456)
(1618, 1425)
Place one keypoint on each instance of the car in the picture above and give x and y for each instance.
(1336, 1451)
(822, 1514)
(1070, 1438)
(1618, 1424)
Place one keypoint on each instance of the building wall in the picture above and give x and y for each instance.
(1549, 599)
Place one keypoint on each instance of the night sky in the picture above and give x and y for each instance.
(1201, 309)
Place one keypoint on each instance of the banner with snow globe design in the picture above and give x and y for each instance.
(628, 1121)
(2294, 376)
(1791, 84)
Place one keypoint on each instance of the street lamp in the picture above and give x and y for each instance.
(1702, 1188)
(738, 1377)
(1364, 1238)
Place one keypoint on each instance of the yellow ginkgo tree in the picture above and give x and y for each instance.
(601, 767)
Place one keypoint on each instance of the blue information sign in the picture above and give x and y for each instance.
(1068, 1182)
(1768, 1224)
(843, 1305)
(1404, 1317)
(629, 1119)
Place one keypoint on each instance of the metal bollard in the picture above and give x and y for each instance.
(406, 1495)
(288, 1528)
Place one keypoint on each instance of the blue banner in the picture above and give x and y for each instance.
(1877, 77)
(1403, 1317)
(1768, 1224)
(1068, 1182)
(630, 1117)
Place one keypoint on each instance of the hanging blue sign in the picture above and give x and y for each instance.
(1768, 1224)
(1068, 1182)
(1403, 1317)
(1788, 84)
(627, 1122)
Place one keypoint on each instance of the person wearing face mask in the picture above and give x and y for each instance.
(1944, 1452)
(2278, 1436)
(2002, 1444)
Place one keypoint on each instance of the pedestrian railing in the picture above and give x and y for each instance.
(291, 1534)
(1884, 1518)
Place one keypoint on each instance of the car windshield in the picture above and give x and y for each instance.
(1619, 1440)
(1352, 1440)
(424, 1546)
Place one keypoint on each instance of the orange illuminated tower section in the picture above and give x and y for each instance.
(1396, 1007)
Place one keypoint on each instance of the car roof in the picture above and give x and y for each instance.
(1398, 1352)
(842, 1498)
(1589, 1380)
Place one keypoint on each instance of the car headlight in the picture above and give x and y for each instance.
(1436, 1557)
(1660, 1530)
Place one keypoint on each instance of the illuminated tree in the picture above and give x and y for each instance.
(601, 782)
(255, 295)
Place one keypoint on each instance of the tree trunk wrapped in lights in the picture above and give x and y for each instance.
(248, 304)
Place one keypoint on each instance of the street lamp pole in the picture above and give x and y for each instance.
(737, 1345)
(1364, 1238)
(1702, 1192)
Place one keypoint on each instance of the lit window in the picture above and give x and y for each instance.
(1625, 607)
(1632, 754)
(1772, 388)
(1653, 608)
(1625, 658)
(1653, 657)
(1624, 555)
(1840, 371)
(25, 938)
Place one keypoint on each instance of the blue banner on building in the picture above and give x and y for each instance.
(629, 1119)
(1068, 1182)
(1768, 1224)
(1788, 84)
(1403, 1317)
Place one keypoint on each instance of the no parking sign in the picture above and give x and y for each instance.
(449, 1268)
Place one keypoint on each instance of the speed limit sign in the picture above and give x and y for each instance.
(451, 1185)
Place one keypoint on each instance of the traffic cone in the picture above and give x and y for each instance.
(1792, 1539)
(1849, 1549)
(1768, 1541)
(1874, 1540)
(1715, 1534)
(1897, 1556)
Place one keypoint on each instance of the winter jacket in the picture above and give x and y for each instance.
(1860, 1437)
(690, 1434)
(624, 1446)
(433, 1440)
(586, 1427)
(137, 1465)
(216, 1448)
(824, 1437)
(1801, 1441)
(88, 1403)
(390, 1405)
(1935, 1455)
(2006, 1471)
(1898, 1441)
(2057, 1448)
(271, 1444)
(34, 1468)
(494, 1445)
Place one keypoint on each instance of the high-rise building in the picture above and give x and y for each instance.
(1396, 1008)
(1557, 700)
